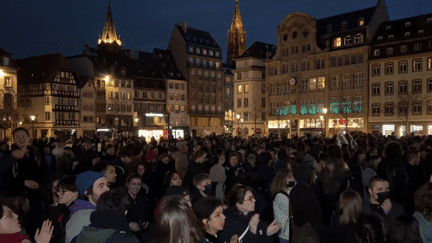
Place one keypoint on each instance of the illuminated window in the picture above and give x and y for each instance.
(246, 88)
(239, 89)
(337, 42)
(361, 22)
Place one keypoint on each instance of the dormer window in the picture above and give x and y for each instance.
(407, 24)
(407, 33)
(344, 25)
(337, 42)
(190, 48)
(171, 74)
(376, 52)
(210, 53)
(123, 72)
(361, 22)
(204, 51)
(329, 28)
(390, 36)
(197, 50)
(5, 61)
(217, 54)
(429, 20)
(348, 40)
(421, 31)
(379, 38)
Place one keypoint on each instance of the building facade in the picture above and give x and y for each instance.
(236, 37)
(250, 99)
(317, 78)
(228, 98)
(88, 108)
(8, 95)
(48, 96)
(400, 88)
(199, 59)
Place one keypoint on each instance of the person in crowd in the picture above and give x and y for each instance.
(64, 162)
(378, 200)
(218, 176)
(209, 211)
(404, 229)
(108, 222)
(172, 178)
(415, 179)
(177, 223)
(280, 188)
(281, 163)
(197, 166)
(371, 229)
(423, 211)
(108, 170)
(11, 232)
(202, 187)
(350, 204)
(138, 213)
(90, 185)
(180, 157)
(242, 221)
(369, 172)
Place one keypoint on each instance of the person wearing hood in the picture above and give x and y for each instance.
(108, 224)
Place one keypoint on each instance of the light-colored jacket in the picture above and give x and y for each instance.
(281, 214)
(76, 223)
(425, 227)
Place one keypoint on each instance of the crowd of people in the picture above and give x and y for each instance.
(355, 188)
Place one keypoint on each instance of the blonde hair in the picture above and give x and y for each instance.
(279, 182)
(350, 205)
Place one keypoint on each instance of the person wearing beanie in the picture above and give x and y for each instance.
(90, 185)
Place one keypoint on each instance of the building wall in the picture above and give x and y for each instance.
(8, 87)
(176, 100)
(88, 107)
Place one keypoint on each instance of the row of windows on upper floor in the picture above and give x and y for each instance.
(403, 87)
(177, 86)
(206, 73)
(305, 65)
(402, 48)
(120, 83)
(198, 63)
(416, 108)
(348, 40)
(417, 66)
(203, 51)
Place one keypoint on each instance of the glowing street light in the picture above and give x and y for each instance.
(2, 73)
(325, 121)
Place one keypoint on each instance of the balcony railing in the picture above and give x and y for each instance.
(67, 123)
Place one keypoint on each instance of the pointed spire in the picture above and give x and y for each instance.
(237, 22)
(109, 34)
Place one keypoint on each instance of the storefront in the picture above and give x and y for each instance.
(157, 134)
(388, 129)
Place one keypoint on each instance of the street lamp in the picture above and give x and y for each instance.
(32, 118)
(241, 130)
(325, 121)
(2, 73)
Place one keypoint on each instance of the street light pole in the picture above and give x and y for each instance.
(32, 118)
(325, 121)
(238, 121)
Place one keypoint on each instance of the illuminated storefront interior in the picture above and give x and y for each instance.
(178, 133)
(148, 134)
(311, 123)
(352, 123)
(278, 124)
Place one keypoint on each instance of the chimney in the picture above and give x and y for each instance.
(184, 25)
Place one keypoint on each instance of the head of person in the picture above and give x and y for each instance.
(164, 158)
(91, 185)
(209, 211)
(371, 229)
(242, 199)
(115, 199)
(67, 191)
(335, 151)
(21, 137)
(283, 181)
(202, 181)
(151, 156)
(140, 169)
(393, 150)
(234, 159)
(9, 223)
(68, 151)
(107, 169)
(125, 156)
(200, 155)
(133, 183)
(350, 204)
(110, 149)
(251, 158)
(404, 229)
(374, 161)
(378, 190)
(173, 178)
(176, 222)
(180, 191)
(423, 200)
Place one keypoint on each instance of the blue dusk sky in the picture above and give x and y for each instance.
(37, 27)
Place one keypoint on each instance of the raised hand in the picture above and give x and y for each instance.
(44, 234)
(253, 223)
(273, 228)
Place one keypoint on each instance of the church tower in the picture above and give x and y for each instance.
(109, 41)
(236, 37)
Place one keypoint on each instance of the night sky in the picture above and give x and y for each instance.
(36, 27)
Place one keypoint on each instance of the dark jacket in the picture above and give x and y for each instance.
(236, 223)
(107, 226)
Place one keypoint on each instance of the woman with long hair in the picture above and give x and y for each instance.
(242, 221)
(280, 188)
(349, 210)
(176, 222)
(423, 210)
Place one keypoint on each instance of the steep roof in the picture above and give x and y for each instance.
(198, 37)
(164, 60)
(4, 53)
(258, 49)
(42, 69)
(352, 19)
(396, 30)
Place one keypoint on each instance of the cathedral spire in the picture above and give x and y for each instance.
(237, 22)
(109, 34)
(236, 36)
